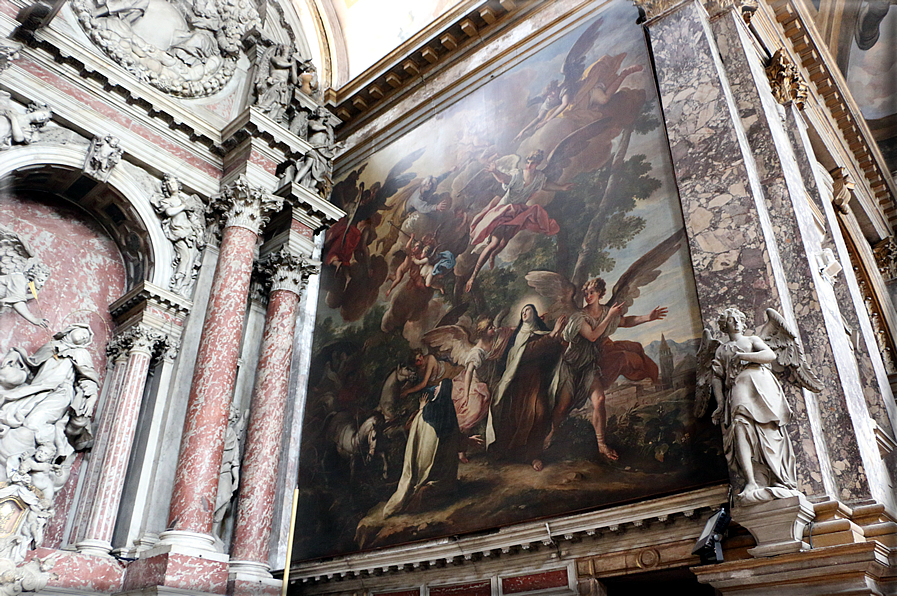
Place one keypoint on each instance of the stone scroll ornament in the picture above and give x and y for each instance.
(184, 223)
(46, 402)
(751, 405)
(187, 48)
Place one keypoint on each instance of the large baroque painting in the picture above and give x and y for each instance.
(507, 323)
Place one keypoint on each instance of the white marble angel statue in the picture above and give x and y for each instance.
(592, 361)
(22, 275)
(751, 406)
(184, 224)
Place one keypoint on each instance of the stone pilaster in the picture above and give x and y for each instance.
(142, 342)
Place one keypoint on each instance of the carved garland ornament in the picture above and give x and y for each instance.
(188, 48)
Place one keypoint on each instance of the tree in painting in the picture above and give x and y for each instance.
(463, 374)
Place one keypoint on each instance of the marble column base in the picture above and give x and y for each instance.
(97, 548)
(248, 585)
(777, 526)
(191, 541)
(178, 567)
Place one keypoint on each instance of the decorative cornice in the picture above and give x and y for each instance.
(309, 207)
(511, 540)
(148, 294)
(245, 205)
(785, 80)
(407, 67)
(797, 25)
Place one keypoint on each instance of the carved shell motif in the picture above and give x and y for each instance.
(187, 48)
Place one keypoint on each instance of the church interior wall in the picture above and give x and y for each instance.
(178, 190)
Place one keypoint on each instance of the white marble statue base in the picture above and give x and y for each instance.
(777, 526)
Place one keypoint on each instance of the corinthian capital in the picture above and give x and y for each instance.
(785, 80)
(137, 339)
(246, 206)
(283, 270)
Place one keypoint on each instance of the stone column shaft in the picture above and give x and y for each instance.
(103, 513)
(196, 481)
(264, 435)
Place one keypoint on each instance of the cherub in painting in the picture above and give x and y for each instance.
(592, 361)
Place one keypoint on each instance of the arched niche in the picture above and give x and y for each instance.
(121, 205)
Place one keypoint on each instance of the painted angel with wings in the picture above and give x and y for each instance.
(22, 275)
(510, 213)
(592, 361)
(751, 406)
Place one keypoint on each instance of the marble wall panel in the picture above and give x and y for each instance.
(735, 260)
(761, 119)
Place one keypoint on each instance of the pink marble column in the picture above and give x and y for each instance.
(107, 496)
(202, 444)
(255, 509)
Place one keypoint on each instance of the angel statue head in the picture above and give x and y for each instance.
(535, 157)
(37, 272)
(731, 314)
(170, 185)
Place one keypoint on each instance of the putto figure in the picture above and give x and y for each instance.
(184, 224)
(102, 157)
(751, 406)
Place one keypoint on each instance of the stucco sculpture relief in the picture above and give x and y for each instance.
(102, 156)
(751, 405)
(22, 275)
(229, 476)
(281, 69)
(188, 49)
(314, 169)
(184, 224)
(46, 402)
(21, 129)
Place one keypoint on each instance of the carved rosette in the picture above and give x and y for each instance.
(283, 270)
(246, 206)
(785, 80)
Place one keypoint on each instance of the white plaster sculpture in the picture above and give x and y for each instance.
(315, 168)
(103, 155)
(187, 49)
(278, 74)
(22, 275)
(229, 475)
(33, 576)
(751, 406)
(184, 224)
(21, 129)
(52, 408)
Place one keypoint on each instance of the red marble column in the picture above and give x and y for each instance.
(107, 497)
(255, 509)
(202, 444)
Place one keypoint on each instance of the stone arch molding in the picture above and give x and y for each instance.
(68, 159)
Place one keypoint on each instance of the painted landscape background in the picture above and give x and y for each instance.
(403, 303)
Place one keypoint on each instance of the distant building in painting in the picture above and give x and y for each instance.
(521, 297)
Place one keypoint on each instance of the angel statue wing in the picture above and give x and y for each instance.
(556, 288)
(452, 339)
(645, 270)
(789, 353)
(15, 254)
(704, 382)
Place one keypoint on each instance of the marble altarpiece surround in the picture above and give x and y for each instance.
(162, 192)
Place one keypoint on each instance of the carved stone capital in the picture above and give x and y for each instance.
(886, 257)
(244, 205)
(785, 80)
(139, 339)
(282, 270)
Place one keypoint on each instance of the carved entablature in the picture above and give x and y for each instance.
(785, 80)
(187, 49)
